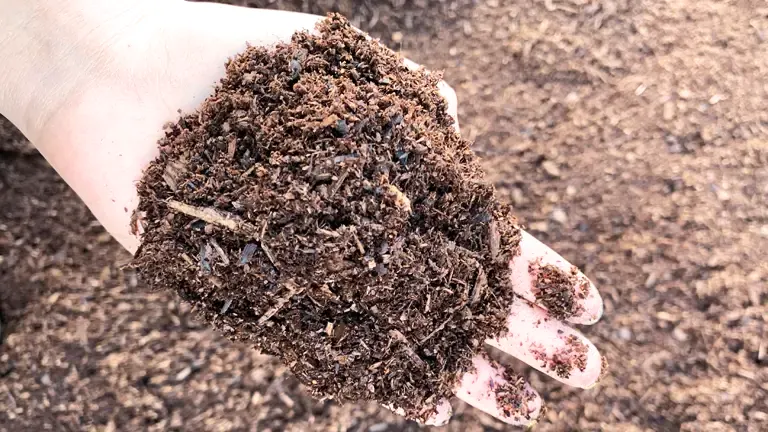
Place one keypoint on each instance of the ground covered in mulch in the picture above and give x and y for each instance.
(630, 136)
(337, 220)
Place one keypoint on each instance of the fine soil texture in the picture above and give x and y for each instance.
(630, 136)
(322, 207)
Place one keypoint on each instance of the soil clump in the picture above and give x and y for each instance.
(558, 291)
(322, 207)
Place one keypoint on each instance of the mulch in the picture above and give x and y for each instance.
(337, 221)
(629, 136)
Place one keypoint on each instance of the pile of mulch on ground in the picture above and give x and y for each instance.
(321, 206)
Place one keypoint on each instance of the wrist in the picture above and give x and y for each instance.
(52, 49)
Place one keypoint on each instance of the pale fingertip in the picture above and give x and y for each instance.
(592, 303)
(603, 372)
(590, 376)
(442, 415)
(573, 298)
(504, 395)
(550, 346)
(593, 307)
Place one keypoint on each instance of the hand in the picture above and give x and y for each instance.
(93, 82)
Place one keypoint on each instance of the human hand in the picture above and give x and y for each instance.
(107, 89)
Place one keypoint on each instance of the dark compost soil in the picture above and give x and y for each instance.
(321, 206)
(596, 120)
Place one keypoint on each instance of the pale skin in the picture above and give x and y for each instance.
(91, 83)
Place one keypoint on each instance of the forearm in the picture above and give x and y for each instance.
(48, 49)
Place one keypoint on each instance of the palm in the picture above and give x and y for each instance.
(170, 60)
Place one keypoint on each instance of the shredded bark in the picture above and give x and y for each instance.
(339, 221)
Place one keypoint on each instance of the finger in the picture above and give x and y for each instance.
(543, 277)
(500, 393)
(550, 346)
(441, 416)
(453, 104)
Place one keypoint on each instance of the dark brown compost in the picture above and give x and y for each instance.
(322, 207)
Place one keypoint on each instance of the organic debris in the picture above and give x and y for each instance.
(347, 198)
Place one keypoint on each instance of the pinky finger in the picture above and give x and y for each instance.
(500, 393)
(440, 417)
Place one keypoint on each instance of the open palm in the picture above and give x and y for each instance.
(100, 130)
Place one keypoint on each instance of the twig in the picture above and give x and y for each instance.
(494, 240)
(188, 260)
(268, 252)
(220, 251)
(226, 220)
(407, 347)
(337, 184)
(434, 332)
(226, 306)
(248, 171)
(481, 283)
(216, 217)
(293, 290)
(358, 243)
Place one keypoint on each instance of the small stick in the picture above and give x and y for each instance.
(216, 217)
(481, 283)
(337, 184)
(494, 240)
(226, 306)
(434, 332)
(268, 252)
(226, 220)
(248, 171)
(220, 251)
(188, 260)
(293, 290)
(358, 243)
(407, 347)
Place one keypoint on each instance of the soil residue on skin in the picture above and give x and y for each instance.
(321, 206)
(572, 356)
(513, 397)
(604, 367)
(558, 291)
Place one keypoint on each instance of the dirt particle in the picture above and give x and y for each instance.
(551, 168)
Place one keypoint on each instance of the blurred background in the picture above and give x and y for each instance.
(630, 135)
